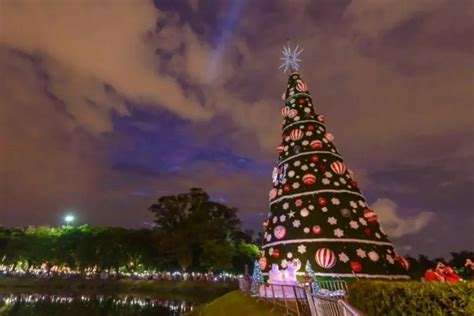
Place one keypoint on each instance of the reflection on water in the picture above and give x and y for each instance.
(89, 305)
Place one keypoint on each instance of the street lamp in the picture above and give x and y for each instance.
(69, 219)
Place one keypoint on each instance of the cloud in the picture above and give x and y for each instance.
(373, 18)
(101, 41)
(396, 225)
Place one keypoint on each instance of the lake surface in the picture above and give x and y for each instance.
(91, 305)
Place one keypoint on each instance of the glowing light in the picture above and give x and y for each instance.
(69, 218)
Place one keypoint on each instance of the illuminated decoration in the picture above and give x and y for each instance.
(290, 58)
(329, 226)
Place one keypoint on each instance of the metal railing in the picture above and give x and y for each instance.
(289, 297)
(298, 300)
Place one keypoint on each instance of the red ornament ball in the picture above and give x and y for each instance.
(310, 128)
(314, 158)
(356, 266)
(276, 253)
(298, 202)
(286, 188)
(301, 101)
(367, 231)
(316, 229)
(280, 149)
(309, 179)
(354, 183)
(322, 201)
(316, 144)
(370, 215)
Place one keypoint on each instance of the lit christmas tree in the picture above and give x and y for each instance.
(257, 277)
(317, 211)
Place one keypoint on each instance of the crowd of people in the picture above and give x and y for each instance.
(444, 273)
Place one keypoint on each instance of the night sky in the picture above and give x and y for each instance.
(107, 105)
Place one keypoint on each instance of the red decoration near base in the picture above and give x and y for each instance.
(322, 201)
(356, 266)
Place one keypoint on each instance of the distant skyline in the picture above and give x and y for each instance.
(106, 106)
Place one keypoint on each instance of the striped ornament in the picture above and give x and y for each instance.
(301, 86)
(309, 179)
(321, 118)
(280, 149)
(296, 134)
(325, 258)
(338, 167)
(285, 110)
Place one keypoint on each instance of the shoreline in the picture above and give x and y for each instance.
(185, 290)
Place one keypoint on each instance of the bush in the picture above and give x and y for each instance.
(412, 298)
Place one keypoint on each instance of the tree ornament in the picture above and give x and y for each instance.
(367, 231)
(354, 183)
(370, 215)
(279, 232)
(304, 212)
(325, 258)
(316, 229)
(310, 128)
(276, 253)
(345, 212)
(322, 201)
(316, 144)
(283, 96)
(286, 188)
(356, 266)
(301, 101)
(265, 224)
(298, 202)
(290, 58)
(285, 111)
(296, 134)
(297, 149)
(301, 86)
(329, 137)
(309, 179)
(321, 118)
(273, 193)
(314, 158)
(338, 167)
(280, 149)
(292, 113)
(373, 256)
(403, 262)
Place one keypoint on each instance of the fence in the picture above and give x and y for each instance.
(297, 300)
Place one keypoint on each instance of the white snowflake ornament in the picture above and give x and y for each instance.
(338, 232)
(343, 257)
(361, 253)
(332, 220)
(290, 58)
(301, 249)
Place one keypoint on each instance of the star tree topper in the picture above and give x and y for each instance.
(290, 58)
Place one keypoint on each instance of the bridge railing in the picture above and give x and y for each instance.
(298, 300)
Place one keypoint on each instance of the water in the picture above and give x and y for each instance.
(90, 305)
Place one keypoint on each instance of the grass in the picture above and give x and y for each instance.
(236, 304)
(185, 290)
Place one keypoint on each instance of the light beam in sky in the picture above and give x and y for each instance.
(225, 36)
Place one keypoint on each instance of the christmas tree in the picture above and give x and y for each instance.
(317, 211)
